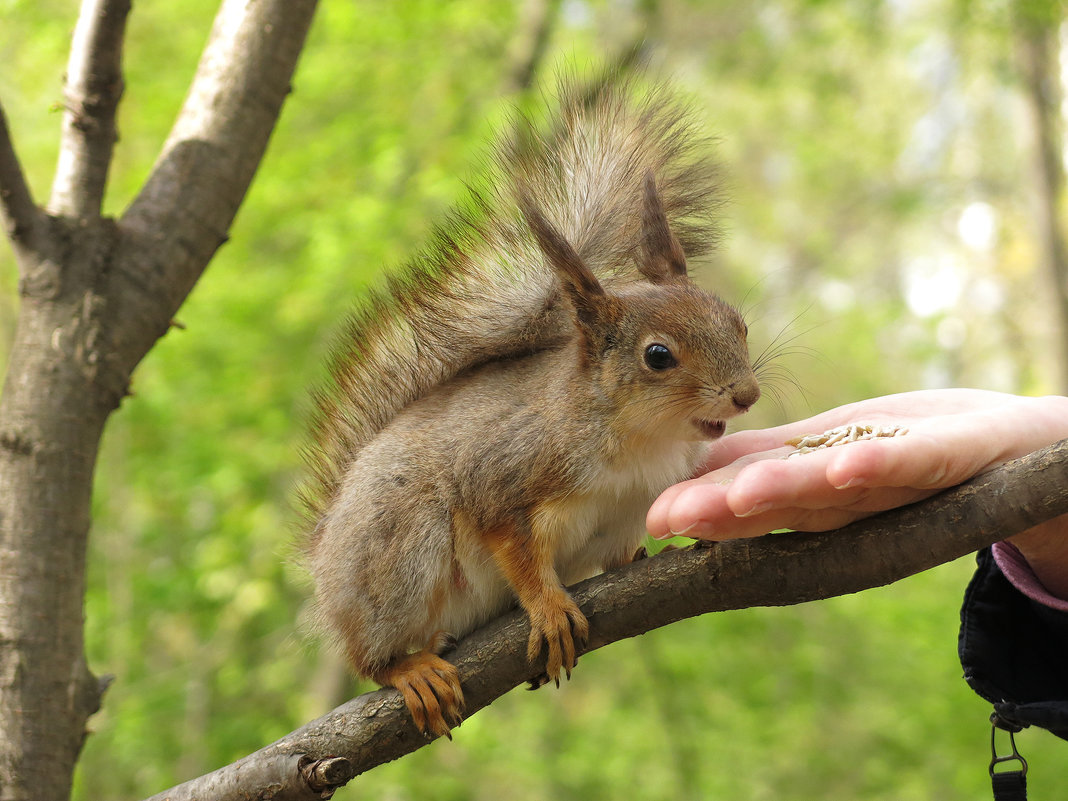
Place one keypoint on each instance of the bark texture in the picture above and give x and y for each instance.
(95, 295)
(774, 570)
(93, 89)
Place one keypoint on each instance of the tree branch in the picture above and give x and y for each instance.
(18, 213)
(183, 213)
(92, 90)
(774, 570)
(98, 294)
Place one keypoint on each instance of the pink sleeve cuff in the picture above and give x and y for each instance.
(1015, 568)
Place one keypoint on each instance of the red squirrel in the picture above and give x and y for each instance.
(501, 415)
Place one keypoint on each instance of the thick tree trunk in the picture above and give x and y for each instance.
(57, 395)
(96, 294)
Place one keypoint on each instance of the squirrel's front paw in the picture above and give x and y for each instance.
(560, 625)
(431, 690)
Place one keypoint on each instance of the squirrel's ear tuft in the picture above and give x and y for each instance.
(662, 258)
(577, 280)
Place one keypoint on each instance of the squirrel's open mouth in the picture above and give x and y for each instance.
(712, 429)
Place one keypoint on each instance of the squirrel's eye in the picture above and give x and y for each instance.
(659, 357)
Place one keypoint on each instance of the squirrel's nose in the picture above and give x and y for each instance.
(745, 394)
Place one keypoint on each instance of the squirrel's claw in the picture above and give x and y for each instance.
(643, 553)
(561, 626)
(537, 681)
(431, 690)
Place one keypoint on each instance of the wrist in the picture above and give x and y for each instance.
(1045, 549)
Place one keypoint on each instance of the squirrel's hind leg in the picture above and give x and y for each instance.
(430, 687)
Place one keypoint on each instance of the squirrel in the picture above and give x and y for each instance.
(501, 415)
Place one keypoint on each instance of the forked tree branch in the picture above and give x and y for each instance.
(774, 570)
(92, 89)
(98, 294)
(18, 213)
(184, 211)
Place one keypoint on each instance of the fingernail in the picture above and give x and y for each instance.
(681, 533)
(855, 481)
(756, 509)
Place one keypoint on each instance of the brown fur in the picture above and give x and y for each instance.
(481, 291)
(497, 429)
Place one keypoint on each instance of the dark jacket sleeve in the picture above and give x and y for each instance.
(1013, 651)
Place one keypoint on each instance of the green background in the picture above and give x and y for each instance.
(856, 137)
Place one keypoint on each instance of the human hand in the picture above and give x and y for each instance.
(953, 435)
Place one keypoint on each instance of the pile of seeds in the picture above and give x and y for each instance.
(842, 435)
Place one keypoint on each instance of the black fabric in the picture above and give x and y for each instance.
(1014, 651)
(1009, 787)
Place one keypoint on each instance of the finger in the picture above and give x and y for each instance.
(661, 523)
(735, 446)
(936, 453)
(917, 459)
(743, 443)
(705, 507)
(656, 519)
(861, 477)
(974, 431)
(901, 408)
(696, 505)
(704, 512)
(701, 511)
(780, 483)
(729, 527)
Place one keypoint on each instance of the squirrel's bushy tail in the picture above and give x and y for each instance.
(481, 291)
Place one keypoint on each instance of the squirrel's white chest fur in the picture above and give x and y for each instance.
(599, 525)
(604, 523)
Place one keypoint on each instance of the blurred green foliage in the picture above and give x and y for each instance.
(879, 239)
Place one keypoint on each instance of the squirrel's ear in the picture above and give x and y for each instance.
(662, 258)
(578, 281)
